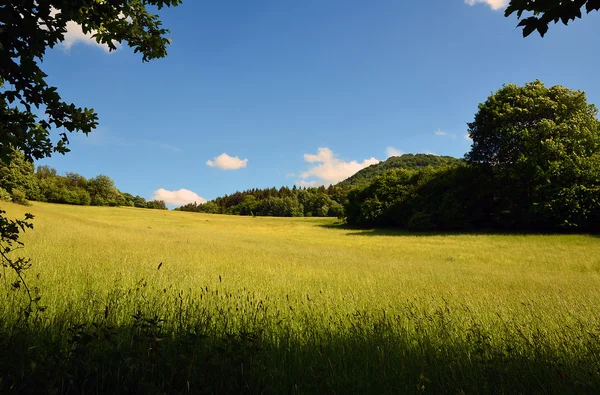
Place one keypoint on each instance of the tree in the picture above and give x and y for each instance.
(127, 199)
(548, 11)
(542, 145)
(28, 28)
(533, 123)
(103, 191)
(157, 205)
(17, 173)
(140, 202)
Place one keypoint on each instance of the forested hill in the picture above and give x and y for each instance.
(311, 202)
(406, 161)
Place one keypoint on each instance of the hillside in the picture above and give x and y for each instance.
(406, 161)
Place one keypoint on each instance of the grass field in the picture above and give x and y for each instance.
(296, 305)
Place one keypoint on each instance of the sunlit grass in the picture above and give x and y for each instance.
(370, 309)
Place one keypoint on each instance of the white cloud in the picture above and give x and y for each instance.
(226, 162)
(330, 169)
(495, 4)
(467, 137)
(391, 151)
(75, 35)
(323, 155)
(178, 198)
(441, 133)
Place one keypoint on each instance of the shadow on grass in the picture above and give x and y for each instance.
(398, 232)
(373, 357)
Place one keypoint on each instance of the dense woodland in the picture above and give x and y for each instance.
(19, 183)
(282, 202)
(406, 161)
(311, 202)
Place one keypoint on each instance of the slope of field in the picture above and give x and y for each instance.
(301, 305)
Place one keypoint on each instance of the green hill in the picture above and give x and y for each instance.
(406, 161)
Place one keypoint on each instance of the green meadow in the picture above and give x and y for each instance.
(151, 301)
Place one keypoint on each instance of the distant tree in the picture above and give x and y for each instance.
(18, 173)
(75, 180)
(19, 196)
(545, 12)
(44, 172)
(4, 195)
(405, 161)
(103, 191)
(126, 199)
(543, 146)
(157, 205)
(140, 202)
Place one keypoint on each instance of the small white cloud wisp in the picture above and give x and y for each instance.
(441, 133)
(391, 151)
(178, 198)
(226, 162)
(329, 169)
(494, 4)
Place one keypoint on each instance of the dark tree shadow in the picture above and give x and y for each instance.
(398, 232)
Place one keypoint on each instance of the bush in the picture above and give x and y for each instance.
(4, 195)
(19, 196)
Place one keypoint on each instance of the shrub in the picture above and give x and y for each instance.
(4, 195)
(19, 196)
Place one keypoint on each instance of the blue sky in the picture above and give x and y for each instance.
(301, 92)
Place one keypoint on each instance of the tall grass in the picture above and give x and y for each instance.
(168, 302)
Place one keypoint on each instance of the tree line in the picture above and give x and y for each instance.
(282, 202)
(20, 182)
(314, 201)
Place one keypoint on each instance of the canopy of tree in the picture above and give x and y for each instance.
(548, 11)
(534, 165)
(27, 29)
(406, 161)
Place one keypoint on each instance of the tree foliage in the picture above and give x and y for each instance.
(156, 204)
(406, 161)
(547, 11)
(543, 145)
(27, 29)
(46, 185)
(16, 173)
(282, 202)
(534, 165)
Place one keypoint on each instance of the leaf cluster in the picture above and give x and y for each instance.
(27, 29)
(547, 11)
